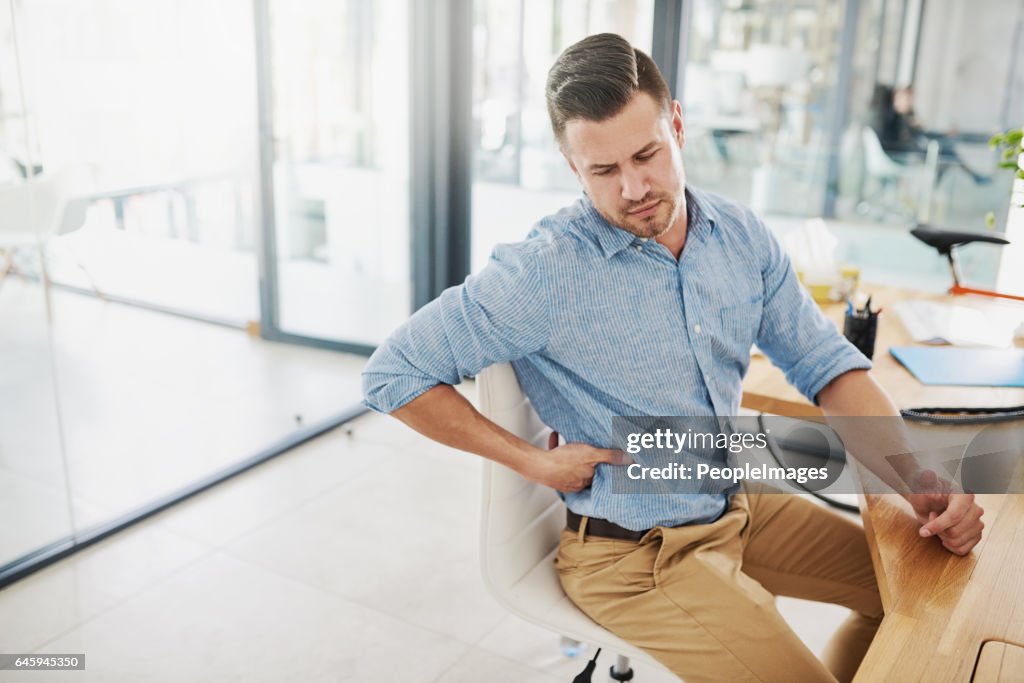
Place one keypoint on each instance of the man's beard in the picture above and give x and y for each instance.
(653, 226)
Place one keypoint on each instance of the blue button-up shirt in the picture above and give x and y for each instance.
(597, 323)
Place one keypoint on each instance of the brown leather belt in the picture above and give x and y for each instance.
(602, 527)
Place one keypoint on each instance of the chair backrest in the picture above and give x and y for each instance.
(29, 209)
(520, 520)
(877, 162)
(40, 208)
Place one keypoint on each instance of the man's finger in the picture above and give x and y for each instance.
(579, 486)
(963, 547)
(927, 481)
(970, 525)
(612, 457)
(952, 514)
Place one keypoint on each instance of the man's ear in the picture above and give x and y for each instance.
(677, 123)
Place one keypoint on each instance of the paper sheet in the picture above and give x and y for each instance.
(970, 324)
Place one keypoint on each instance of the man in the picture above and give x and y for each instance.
(891, 115)
(643, 298)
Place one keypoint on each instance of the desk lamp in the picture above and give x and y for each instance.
(946, 241)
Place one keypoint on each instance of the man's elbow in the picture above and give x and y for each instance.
(375, 390)
(391, 394)
(837, 384)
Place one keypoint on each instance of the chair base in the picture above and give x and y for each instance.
(621, 671)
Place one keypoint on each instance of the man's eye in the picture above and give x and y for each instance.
(646, 157)
(603, 171)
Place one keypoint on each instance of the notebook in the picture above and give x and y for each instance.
(969, 367)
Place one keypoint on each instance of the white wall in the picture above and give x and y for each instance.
(963, 63)
(1011, 268)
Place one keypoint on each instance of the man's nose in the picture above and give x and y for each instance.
(634, 185)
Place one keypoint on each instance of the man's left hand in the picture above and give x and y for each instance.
(954, 517)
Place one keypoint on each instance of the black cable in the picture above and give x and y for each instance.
(770, 443)
(586, 675)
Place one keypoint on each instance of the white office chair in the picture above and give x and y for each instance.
(890, 175)
(32, 212)
(520, 525)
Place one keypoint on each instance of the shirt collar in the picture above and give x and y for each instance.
(702, 219)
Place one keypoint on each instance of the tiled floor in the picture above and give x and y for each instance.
(351, 558)
(117, 406)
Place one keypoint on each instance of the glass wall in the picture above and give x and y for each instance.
(519, 174)
(129, 157)
(790, 106)
(967, 85)
(760, 79)
(34, 500)
(147, 110)
(340, 115)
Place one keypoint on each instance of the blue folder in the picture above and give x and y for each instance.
(967, 367)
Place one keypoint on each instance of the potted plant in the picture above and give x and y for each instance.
(1011, 146)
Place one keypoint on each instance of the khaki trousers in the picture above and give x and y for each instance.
(700, 598)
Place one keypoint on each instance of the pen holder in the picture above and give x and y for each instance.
(861, 331)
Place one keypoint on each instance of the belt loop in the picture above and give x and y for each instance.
(583, 527)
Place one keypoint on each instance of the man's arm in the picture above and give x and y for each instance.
(444, 415)
(497, 315)
(954, 517)
(827, 369)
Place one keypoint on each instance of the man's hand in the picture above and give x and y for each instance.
(954, 517)
(570, 468)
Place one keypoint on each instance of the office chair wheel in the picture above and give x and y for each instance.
(621, 671)
(626, 675)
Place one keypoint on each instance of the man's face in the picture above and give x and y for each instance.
(630, 165)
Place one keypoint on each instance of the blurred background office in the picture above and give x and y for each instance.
(211, 212)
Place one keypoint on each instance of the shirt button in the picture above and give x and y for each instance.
(696, 328)
(639, 247)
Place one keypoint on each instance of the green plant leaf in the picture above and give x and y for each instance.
(1013, 137)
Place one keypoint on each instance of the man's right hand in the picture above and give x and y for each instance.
(570, 468)
(444, 415)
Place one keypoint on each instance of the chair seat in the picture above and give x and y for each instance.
(538, 598)
(520, 525)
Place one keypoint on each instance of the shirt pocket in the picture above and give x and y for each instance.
(740, 319)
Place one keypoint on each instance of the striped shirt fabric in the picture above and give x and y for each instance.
(599, 323)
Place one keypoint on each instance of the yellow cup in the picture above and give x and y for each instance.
(839, 287)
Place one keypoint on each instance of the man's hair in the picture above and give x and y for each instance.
(596, 77)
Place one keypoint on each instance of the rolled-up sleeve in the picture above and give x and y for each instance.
(794, 333)
(498, 315)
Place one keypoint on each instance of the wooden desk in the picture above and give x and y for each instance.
(940, 609)
(765, 388)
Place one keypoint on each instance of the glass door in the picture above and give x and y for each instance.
(336, 167)
(144, 115)
(519, 176)
(35, 502)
